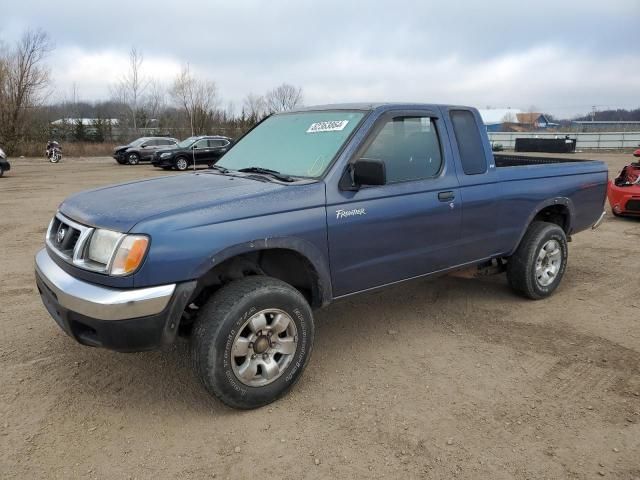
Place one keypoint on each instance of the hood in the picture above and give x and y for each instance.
(121, 207)
(120, 147)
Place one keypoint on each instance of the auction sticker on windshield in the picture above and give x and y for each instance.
(330, 126)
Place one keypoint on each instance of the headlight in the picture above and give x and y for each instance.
(165, 155)
(119, 253)
(103, 244)
(2, 154)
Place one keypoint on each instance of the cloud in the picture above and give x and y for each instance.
(93, 72)
(563, 56)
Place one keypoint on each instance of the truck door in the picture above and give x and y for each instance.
(479, 189)
(409, 226)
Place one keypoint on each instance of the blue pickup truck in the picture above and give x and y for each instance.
(308, 207)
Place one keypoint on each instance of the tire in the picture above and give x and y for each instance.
(133, 159)
(234, 320)
(182, 164)
(1, 171)
(531, 272)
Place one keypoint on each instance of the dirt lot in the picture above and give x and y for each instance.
(432, 379)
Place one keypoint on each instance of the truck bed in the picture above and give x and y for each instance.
(507, 160)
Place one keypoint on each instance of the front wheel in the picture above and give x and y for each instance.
(182, 164)
(133, 159)
(538, 265)
(54, 158)
(252, 341)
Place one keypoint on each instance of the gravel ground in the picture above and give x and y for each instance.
(431, 379)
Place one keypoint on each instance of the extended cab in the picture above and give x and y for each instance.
(308, 207)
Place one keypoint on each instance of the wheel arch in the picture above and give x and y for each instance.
(558, 210)
(294, 261)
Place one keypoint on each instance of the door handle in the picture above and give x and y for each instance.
(446, 196)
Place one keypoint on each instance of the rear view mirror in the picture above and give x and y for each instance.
(369, 172)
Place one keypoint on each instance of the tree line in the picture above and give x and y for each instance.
(138, 105)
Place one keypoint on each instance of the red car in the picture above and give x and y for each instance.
(624, 190)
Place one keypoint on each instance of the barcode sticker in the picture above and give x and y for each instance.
(331, 126)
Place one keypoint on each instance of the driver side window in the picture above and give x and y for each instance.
(201, 144)
(409, 148)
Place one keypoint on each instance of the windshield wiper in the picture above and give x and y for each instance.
(266, 171)
(219, 168)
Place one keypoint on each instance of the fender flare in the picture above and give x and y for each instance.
(300, 246)
(549, 202)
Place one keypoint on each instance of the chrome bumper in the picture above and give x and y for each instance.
(100, 302)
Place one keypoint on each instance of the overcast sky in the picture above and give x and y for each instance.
(561, 56)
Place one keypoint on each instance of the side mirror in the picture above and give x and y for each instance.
(637, 153)
(368, 172)
(144, 145)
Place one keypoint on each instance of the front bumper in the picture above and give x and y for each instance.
(163, 162)
(118, 319)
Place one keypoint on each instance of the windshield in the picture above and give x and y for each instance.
(297, 144)
(138, 142)
(185, 143)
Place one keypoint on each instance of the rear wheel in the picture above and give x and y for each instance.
(538, 265)
(182, 164)
(1, 171)
(252, 341)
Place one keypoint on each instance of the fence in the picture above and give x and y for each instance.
(585, 141)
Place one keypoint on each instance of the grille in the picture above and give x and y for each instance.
(67, 238)
(633, 205)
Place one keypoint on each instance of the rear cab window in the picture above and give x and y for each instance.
(470, 147)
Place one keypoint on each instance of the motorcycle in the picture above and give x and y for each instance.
(54, 152)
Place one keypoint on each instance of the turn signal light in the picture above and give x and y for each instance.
(130, 255)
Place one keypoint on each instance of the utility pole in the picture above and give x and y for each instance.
(593, 113)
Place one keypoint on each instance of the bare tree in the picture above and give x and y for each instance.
(197, 98)
(282, 98)
(131, 87)
(155, 101)
(24, 81)
(254, 107)
(509, 117)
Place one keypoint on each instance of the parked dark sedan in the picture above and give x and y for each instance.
(203, 150)
(141, 149)
(4, 163)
